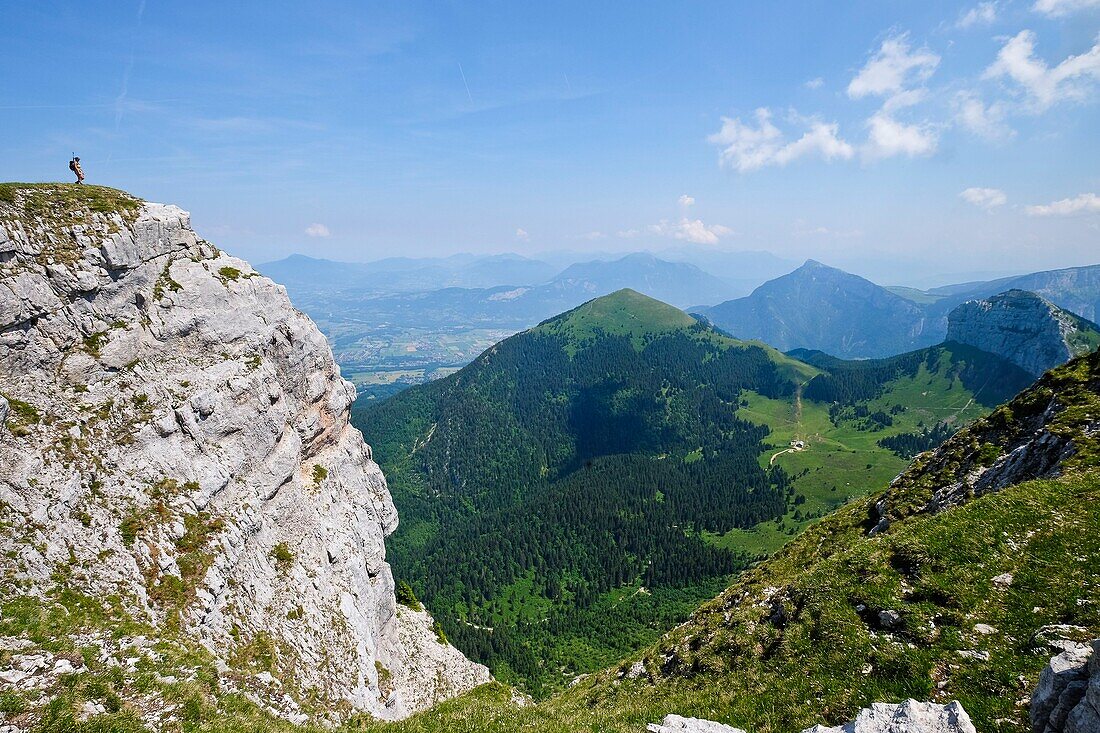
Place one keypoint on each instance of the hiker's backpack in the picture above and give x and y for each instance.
(72, 165)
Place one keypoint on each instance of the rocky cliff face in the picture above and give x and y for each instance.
(1067, 699)
(1023, 328)
(175, 435)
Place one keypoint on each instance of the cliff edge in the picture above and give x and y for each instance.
(1023, 328)
(174, 436)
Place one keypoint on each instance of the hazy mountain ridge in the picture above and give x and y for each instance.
(407, 274)
(822, 308)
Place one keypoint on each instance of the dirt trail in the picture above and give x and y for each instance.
(772, 461)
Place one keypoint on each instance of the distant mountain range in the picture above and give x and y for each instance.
(823, 308)
(407, 274)
(339, 288)
(404, 320)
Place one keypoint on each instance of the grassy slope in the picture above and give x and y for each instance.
(799, 639)
(741, 662)
(842, 462)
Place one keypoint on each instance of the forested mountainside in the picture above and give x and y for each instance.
(964, 600)
(573, 492)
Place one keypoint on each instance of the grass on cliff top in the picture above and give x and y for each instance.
(45, 199)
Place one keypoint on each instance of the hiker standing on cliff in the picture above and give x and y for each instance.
(74, 166)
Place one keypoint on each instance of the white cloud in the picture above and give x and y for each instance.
(317, 230)
(593, 236)
(894, 68)
(1086, 203)
(984, 13)
(802, 230)
(628, 233)
(1060, 8)
(984, 198)
(686, 201)
(690, 230)
(747, 148)
(888, 137)
(522, 234)
(986, 121)
(1072, 79)
(815, 83)
(896, 72)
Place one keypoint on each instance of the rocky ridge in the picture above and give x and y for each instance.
(1023, 328)
(1067, 699)
(174, 439)
(1048, 429)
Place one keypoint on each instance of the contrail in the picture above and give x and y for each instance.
(120, 100)
(460, 71)
(103, 105)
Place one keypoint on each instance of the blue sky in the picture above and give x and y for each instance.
(900, 140)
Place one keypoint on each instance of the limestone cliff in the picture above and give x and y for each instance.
(1023, 328)
(175, 434)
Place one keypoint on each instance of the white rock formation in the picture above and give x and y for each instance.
(676, 724)
(1067, 698)
(175, 433)
(910, 716)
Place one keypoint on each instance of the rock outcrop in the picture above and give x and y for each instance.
(1067, 699)
(910, 716)
(1048, 429)
(1023, 328)
(175, 435)
(677, 724)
